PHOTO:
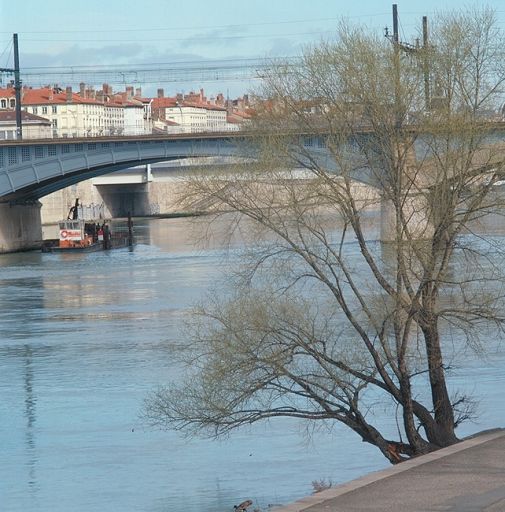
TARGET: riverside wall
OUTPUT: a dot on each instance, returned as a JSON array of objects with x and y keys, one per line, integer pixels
[{"x": 163, "y": 198}]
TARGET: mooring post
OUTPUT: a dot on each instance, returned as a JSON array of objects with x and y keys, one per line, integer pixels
[
  {"x": 130, "y": 230},
  {"x": 106, "y": 237}
]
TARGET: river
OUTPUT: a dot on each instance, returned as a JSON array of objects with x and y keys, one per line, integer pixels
[{"x": 84, "y": 338}]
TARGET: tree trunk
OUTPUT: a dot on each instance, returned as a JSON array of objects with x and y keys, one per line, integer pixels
[{"x": 443, "y": 411}]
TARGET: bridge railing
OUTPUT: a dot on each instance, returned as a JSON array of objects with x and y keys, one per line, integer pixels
[{"x": 48, "y": 132}]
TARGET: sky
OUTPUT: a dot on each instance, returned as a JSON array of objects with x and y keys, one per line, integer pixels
[{"x": 183, "y": 46}]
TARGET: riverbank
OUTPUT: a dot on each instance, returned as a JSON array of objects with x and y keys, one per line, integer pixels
[{"x": 466, "y": 477}]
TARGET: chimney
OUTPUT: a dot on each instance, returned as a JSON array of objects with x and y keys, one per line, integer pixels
[
  {"x": 138, "y": 92},
  {"x": 82, "y": 89},
  {"x": 161, "y": 93},
  {"x": 99, "y": 96},
  {"x": 105, "y": 88},
  {"x": 179, "y": 97},
  {"x": 68, "y": 92},
  {"x": 50, "y": 94},
  {"x": 202, "y": 96},
  {"x": 129, "y": 92}
]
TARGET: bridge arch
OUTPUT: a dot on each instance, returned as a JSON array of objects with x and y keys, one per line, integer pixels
[{"x": 31, "y": 170}]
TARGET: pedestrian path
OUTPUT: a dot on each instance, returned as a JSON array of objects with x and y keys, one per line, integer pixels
[{"x": 466, "y": 477}]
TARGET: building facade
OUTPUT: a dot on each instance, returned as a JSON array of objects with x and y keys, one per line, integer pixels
[
  {"x": 84, "y": 114},
  {"x": 90, "y": 113},
  {"x": 34, "y": 127},
  {"x": 194, "y": 113}
]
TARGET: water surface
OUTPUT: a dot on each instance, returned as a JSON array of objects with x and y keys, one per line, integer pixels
[{"x": 84, "y": 338}]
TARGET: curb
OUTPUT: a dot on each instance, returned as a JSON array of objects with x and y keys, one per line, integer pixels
[{"x": 339, "y": 490}]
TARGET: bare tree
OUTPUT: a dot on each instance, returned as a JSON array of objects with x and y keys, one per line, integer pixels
[{"x": 323, "y": 322}]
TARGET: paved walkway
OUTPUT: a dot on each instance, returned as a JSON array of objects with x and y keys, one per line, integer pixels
[{"x": 466, "y": 477}]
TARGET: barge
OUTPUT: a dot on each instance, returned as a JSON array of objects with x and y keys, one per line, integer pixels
[{"x": 78, "y": 235}]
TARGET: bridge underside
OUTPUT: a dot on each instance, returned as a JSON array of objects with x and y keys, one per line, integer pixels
[
  {"x": 35, "y": 191},
  {"x": 30, "y": 170}
]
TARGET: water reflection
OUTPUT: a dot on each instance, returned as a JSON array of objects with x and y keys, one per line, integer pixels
[{"x": 30, "y": 401}]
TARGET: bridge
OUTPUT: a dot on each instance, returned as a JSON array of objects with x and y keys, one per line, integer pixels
[{"x": 31, "y": 169}]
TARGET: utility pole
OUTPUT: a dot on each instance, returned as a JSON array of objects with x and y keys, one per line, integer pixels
[
  {"x": 413, "y": 50},
  {"x": 396, "y": 65},
  {"x": 426, "y": 65},
  {"x": 396, "y": 39},
  {"x": 17, "y": 87}
]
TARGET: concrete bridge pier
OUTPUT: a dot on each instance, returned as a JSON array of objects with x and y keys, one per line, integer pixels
[
  {"x": 20, "y": 226},
  {"x": 417, "y": 207},
  {"x": 417, "y": 212}
]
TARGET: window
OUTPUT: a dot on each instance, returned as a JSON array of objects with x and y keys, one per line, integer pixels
[
  {"x": 44, "y": 110},
  {"x": 54, "y": 110},
  {"x": 39, "y": 151},
  {"x": 4, "y": 103},
  {"x": 51, "y": 150},
  {"x": 34, "y": 110},
  {"x": 25, "y": 153},
  {"x": 13, "y": 103},
  {"x": 13, "y": 156}
]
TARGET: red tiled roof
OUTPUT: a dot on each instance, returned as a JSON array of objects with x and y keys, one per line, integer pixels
[
  {"x": 237, "y": 117},
  {"x": 172, "y": 102},
  {"x": 10, "y": 115},
  {"x": 206, "y": 106},
  {"x": 46, "y": 96},
  {"x": 7, "y": 93},
  {"x": 164, "y": 102}
]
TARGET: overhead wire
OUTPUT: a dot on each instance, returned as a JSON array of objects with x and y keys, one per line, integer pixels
[
  {"x": 191, "y": 38},
  {"x": 7, "y": 47},
  {"x": 175, "y": 62},
  {"x": 193, "y": 27}
]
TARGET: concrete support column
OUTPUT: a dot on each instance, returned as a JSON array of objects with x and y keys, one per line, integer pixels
[
  {"x": 149, "y": 174},
  {"x": 417, "y": 213},
  {"x": 20, "y": 227}
]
